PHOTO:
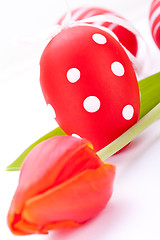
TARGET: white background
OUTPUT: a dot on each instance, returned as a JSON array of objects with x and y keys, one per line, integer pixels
[{"x": 134, "y": 210}]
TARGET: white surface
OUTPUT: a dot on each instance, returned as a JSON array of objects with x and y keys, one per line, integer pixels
[{"x": 134, "y": 210}]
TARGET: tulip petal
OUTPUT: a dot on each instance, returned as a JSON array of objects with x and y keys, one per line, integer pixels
[
  {"x": 24, "y": 228},
  {"x": 50, "y": 159},
  {"x": 79, "y": 198},
  {"x": 51, "y": 163},
  {"x": 61, "y": 225}
]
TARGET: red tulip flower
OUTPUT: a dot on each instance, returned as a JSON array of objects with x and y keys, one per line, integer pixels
[{"x": 63, "y": 183}]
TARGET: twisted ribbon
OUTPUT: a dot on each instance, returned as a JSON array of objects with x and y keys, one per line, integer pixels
[{"x": 68, "y": 22}]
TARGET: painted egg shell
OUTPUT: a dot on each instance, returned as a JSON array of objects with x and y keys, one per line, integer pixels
[
  {"x": 127, "y": 38},
  {"x": 154, "y": 18},
  {"x": 88, "y": 80}
]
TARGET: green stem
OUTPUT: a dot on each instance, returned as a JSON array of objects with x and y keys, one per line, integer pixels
[
  {"x": 150, "y": 97},
  {"x": 130, "y": 134}
]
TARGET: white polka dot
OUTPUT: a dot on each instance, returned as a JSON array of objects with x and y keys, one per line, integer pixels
[
  {"x": 128, "y": 112},
  {"x": 75, "y": 135},
  {"x": 91, "y": 104},
  {"x": 117, "y": 68},
  {"x": 51, "y": 110},
  {"x": 99, "y": 38},
  {"x": 73, "y": 75}
]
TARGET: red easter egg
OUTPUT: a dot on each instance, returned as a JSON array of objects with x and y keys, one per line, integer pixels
[
  {"x": 154, "y": 19},
  {"x": 126, "y": 37},
  {"x": 88, "y": 79}
]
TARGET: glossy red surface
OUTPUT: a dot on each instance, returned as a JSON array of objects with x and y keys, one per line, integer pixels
[{"x": 88, "y": 79}]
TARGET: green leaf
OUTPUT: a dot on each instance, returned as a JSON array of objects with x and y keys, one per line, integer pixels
[
  {"x": 150, "y": 97},
  {"x": 150, "y": 93},
  {"x": 16, "y": 165}
]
